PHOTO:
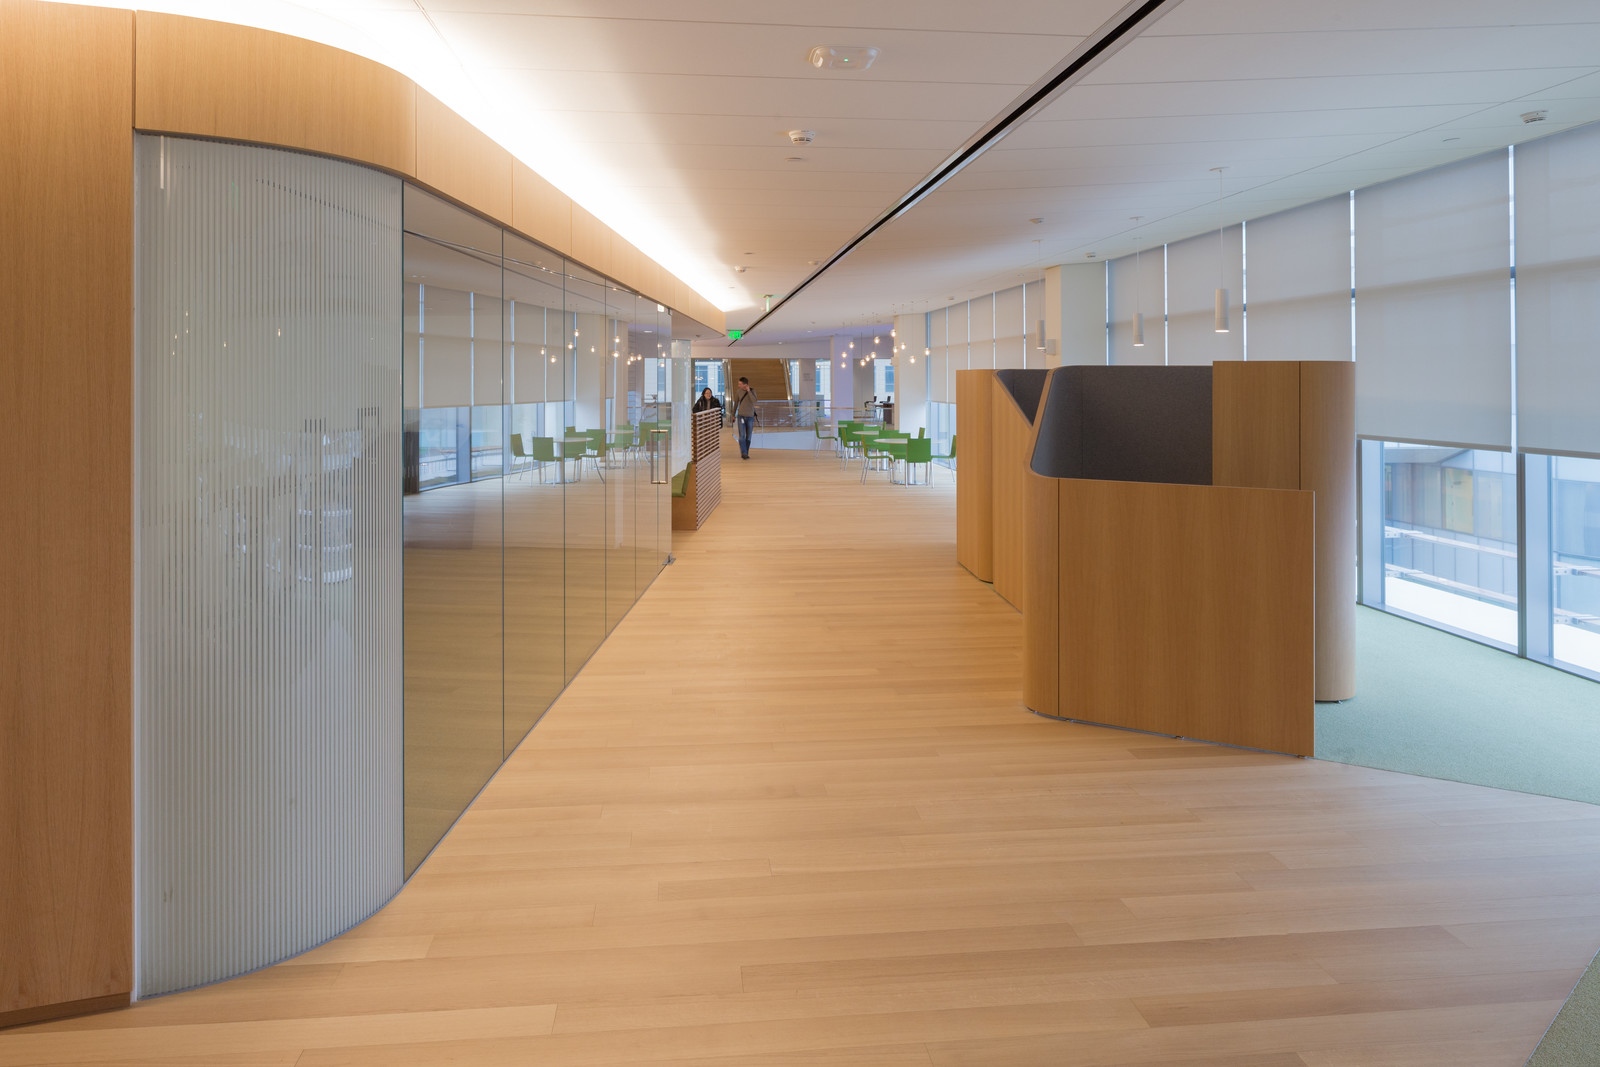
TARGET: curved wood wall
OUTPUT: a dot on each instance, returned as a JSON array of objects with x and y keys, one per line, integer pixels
[
  {"x": 1011, "y": 443},
  {"x": 66, "y": 652},
  {"x": 76, "y": 82},
  {"x": 197, "y": 78},
  {"x": 975, "y": 485}
]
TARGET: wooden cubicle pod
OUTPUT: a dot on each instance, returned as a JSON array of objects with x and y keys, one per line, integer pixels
[
  {"x": 975, "y": 486},
  {"x": 994, "y": 422},
  {"x": 1163, "y": 602},
  {"x": 1013, "y": 402},
  {"x": 1288, "y": 425}
]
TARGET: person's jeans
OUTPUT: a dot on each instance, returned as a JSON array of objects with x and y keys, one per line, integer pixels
[{"x": 746, "y": 428}]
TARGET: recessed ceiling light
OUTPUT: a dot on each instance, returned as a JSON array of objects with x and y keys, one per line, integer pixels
[
  {"x": 1036, "y": 221},
  {"x": 842, "y": 57},
  {"x": 1447, "y": 140},
  {"x": 1534, "y": 116},
  {"x": 794, "y": 159}
]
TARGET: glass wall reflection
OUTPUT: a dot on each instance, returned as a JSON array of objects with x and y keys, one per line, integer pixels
[
  {"x": 454, "y": 637},
  {"x": 535, "y": 391}
]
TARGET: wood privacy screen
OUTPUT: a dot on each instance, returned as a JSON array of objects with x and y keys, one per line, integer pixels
[
  {"x": 703, "y": 491},
  {"x": 1186, "y": 542}
]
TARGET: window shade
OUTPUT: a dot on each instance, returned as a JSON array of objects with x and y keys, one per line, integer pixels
[
  {"x": 1146, "y": 276},
  {"x": 1193, "y": 273},
  {"x": 1298, "y": 266},
  {"x": 1009, "y": 329},
  {"x": 1558, "y": 292},
  {"x": 981, "y": 332},
  {"x": 1433, "y": 308}
]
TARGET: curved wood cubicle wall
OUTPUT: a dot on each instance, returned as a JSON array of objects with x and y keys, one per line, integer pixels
[
  {"x": 77, "y": 82},
  {"x": 1167, "y": 603}
]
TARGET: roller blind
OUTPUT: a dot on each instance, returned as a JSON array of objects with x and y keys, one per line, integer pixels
[
  {"x": 1433, "y": 307},
  {"x": 1558, "y": 292},
  {"x": 940, "y": 389},
  {"x": 981, "y": 332},
  {"x": 1298, "y": 263},
  {"x": 1192, "y": 283},
  {"x": 1009, "y": 329},
  {"x": 1145, "y": 275},
  {"x": 446, "y": 372}
]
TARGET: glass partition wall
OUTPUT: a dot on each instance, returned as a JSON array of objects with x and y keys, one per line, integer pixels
[{"x": 532, "y": 520}]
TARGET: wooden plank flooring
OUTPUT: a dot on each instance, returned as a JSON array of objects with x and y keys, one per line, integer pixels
[{"x": 793, "y": 813}]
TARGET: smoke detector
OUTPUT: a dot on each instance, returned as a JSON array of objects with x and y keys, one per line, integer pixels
[
  {"x": 841, "y": 57},
  {"x": 1534, "y": 116},
  {"x": 802, "y": 136},
  {"x": 740, "y": 269}
]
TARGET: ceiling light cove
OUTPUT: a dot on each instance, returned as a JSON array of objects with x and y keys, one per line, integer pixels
[{"x": 842, "y": 57}]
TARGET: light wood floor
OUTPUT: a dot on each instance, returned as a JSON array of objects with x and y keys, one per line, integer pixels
[{"x": 792, "y": 813}]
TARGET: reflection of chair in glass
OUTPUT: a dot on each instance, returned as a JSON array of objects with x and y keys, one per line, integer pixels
[
  {"x": 517, "y": 453},
  {"x": 919, "y": 451},
  {"x": 597, "y": 451},
  {"x": 623, "y": 441},
  {"x": 950, "y": 455},
  {"x": 544, "y": 451}
]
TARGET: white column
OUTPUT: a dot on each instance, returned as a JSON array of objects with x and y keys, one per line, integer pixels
[
  {"x": 911, "y": 371},
  {"x": 844, "y": 394},
  {"x": 1075, "y": 314}
]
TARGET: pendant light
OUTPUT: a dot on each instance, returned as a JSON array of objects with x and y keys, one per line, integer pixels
[
  {"x": 1220, "y": 315},
  {"x": 1138, "y": 284}
]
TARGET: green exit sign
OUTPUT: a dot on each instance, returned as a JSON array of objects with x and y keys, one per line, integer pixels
[{"x": 734, "y": 335}]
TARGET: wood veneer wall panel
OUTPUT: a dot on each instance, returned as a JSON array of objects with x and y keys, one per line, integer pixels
[
  {"x": 66, "y": 642},
  {"x": 1041, "y": 613},
  {"x": 1255, "y": 425},
  {"x": 195, "y": 77},
  {"x": 1187, "y": 610},
  {"x": 213, "y": 79},
  {"x": 1012, "y": 436},
  {"x": 1328, "y": 469},
  {"x": 539, "y": 209},
  {"x": 459, "y": 160},
  {"x": 975, "y": 486}
]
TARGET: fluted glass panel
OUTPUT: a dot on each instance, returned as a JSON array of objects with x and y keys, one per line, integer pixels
[{"x": 268, "y": 722}]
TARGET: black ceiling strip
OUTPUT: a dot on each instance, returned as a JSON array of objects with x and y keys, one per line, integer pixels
[{"x": 1033, "y": 98}]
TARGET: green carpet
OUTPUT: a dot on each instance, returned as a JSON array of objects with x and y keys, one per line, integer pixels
[{"x": 1434, "y": 704}]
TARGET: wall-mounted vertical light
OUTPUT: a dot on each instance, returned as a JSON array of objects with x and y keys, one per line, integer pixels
[
  {"x": 1138, "y": 286},
  {"x": 1220, "y": 315}
]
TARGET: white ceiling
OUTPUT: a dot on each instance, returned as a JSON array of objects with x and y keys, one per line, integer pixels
[
  {"x": 675, "y": 115},
  {"x": 1297, "y": 100}
]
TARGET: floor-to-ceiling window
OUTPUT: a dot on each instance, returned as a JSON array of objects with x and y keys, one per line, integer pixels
[{"x": 1450, "y": 538}]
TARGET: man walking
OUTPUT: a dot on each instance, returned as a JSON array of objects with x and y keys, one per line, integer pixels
[{"x": 744, "y": 416}]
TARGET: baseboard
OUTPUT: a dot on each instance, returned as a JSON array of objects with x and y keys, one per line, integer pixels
[{"x": 44, "y": 1012}]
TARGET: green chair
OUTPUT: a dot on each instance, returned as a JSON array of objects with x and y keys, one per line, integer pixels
[
  {"x": 919, "y": 450},
  {"x": 884, "y": 450},
  {"x": 831, "y": 435},
  {"x": 544, "y": 451},
  {"x": 950, "y": 455}
]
